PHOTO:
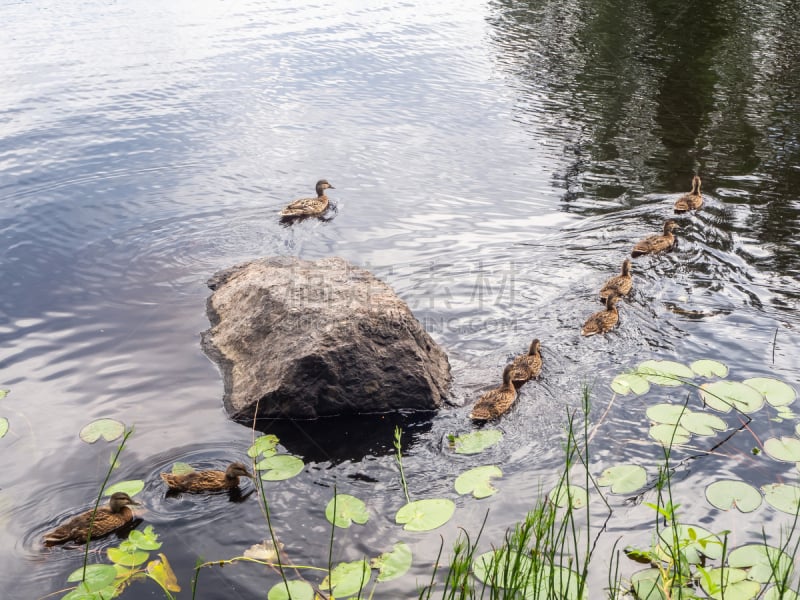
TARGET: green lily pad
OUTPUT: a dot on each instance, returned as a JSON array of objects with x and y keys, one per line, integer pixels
[
  {"x": 725, "y": 395},
  {"x": 728, "y": 493},
  {"x": 709, "y": 368},
  {"x": 127, "y": 559},
  {"x": 4, "y": 393},
  {"x": 182, "y": 468},
  {"x": 554, "y": 582},
  {"x": 702, "y": 423},
  {"x": 502, "y": 568},
  {"x": 623, "y": 479},
  {"x": 476, "y": 441},
  {"x": 729, "y": 583},
  {"x": 765, "y": 563},
  {"x": 666, "y": 413},
  {"x": 291, "y": 590},
  {"x": 782, "y": 496},
  {"x": 625, "y": 383},
  {"x": 108, "y": 429},
  {"x": 130, "y": 487},
  {"x": 3, "y": 426},
  {"x": 786, "y": 449},
  {"x": 424, "y": 515},
  {"x": 776, "y": 593},
  {"x": 280, "y": 467},
  {"x": 565, "y": 494},
  {"x": 393, "y": 564},
  {"x": 144, "y": 540},
  {"x": 347, "y": 578},
  {"x": 775, "y": 391},
  {"x": 694, "y": 541},
  {"x": 478, "y": 481},
  {"x": 349, "y": 509},
  {"x": 648, "y": 585},
  {"x": 98, "y": 577},
  {"x": 264, "y": 445},
  {"x": 665, "y": 372},
  {"x": 669, "y": 435}
]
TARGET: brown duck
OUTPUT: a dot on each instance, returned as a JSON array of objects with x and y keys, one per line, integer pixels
[
  {"x": 691, "y": 201},
  {"x": 308, "y": 207},
  {"x": 602, "y": 321},
  {"x": 656, "y": 243},
  {"x": 497, "y": 401},
  {"x": 527, "y": 366},
  {"x": 207, "y": 481},
  {"x": 620, "y": 285},
  {"x": 107, "y": 519}
]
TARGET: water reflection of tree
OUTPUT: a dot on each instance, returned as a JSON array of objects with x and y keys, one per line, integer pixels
[{"x": 641, "y": 94}]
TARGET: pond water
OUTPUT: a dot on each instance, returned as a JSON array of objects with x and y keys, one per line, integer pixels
[{"x": 494, "y": 161}]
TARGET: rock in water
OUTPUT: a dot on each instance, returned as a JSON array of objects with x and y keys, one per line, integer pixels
[{"x": 306, "y": 339}]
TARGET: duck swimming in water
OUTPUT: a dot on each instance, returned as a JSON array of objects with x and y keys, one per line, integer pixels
[
  {"x": 602, "y": 321},
  {"x": 207, "y": 481},
  {"x": 656, "y": 243},
  {"x": 691, "y": 201},
  {"x": 107, "y": 519},
  {"x": 497, "y": 401},
  {"x": 527, "y": 366},
  {"x": 620, "y": 285},
  {"x": 309, "y": 207}
]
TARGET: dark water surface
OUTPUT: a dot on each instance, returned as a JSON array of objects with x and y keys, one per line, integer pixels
[{"x": 493, "y": 161}]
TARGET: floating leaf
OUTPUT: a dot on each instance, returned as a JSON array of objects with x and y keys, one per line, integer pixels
[
  {"x": 424, "y": 515},
  {"x": 264, "y": 445},
  {"x": 97, "y": 577},
  {"x": 776, "y": 593},
  {"x": 349, "y": 509},
  {"x": 393, "y": 564},
  {"x": 291, "y": 590},
  {"x": 477, "y": 481},
  {"x": 693, "y": 541},
  {"x": 669, "y": 434},
  {"x": 666, "y": 413},
  {"x": 647, "y": 585},
  {"x": 108, "y": 429},
  {"x": 786, "y": 449},
  {"x": 623, "y": 479},
  {"x": 127, "y": 559},
  {"x": 3, "y": 426},
  {"x": 565, "y": 494},
  {"x": 625, "y": 383},
  {"x": 280, "y": 467},
  {"x": 494, "y": 566},
  {"x": 264, "y": 551},
  {"x": 4, "y": 393},
  {"x": 130, "y": 487},
  {"x": 728, "y": 493},
  {"x": 725, "y": 395},
  {"x": 732, "y": 584},
  {"x": 476, "y": 441},
  {"x": 775, "y": 391},
  {"x": 782, "y": 496},
  {"x": 162, "y": 572},
  {"x": 144, "y": 540},
  {"x": 554, "y": 582},
  {"x": 701, "y": 423},
  {"x": 665, "y": 372},
  {"x": 347, "y": 578},
  {"x": 182, "y": 468},
  {"x": 709, "y": 368},
  {"x": 765, "y": 562}
]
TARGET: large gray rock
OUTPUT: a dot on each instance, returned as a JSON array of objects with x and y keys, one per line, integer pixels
[{"x": 304, "y": 339}]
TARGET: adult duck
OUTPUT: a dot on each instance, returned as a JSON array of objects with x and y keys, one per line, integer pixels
[
  {"x": 620, "y": 285},
  {"x": 497, "y": 401},
  {"x": 107, "y": 519},
  {"x": 527, "y": 366},
  {"x": 602, "y": 321},
  {"x": 309, "y": 207},
  {"x": 656, "y": 243},
  {"x": 206, "y": 481},
  {"x": 691, "y": 201}
]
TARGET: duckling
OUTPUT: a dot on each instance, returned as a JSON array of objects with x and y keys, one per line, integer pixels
[
  {"x": 691, "y": 201},
  {"x": 602, "y": 321},
  {"x": 527, "y": 366},
  {"x": 497, "y": 401},
  {"x": 308, "y": 207},
  {"x": 107, "y": 519},
  {"x": 619, "y": 284},
  {"x": 207, "y": 481},
  {"x": 654, "y": 244}
]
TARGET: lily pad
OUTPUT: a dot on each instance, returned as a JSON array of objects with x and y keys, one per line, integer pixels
[
  {"x": 786, "y": 449},
  {"x": 424, "y": 515},
  {"x": 349, "y": 509},
  {"x": 476, "y": 441},
  {"x": 554, "y": 582},
  {"x": 665, "y": 372},
  {"x": 725, "y": 395},
  {"x": 130, "y": 487},
  {"x": 127, "y": 559},
  {"x": 182, "y": 468},
  {"x": 728, "y": 493},
  {"x": 666, "y": 413},
  {"x": 648, "y": 585},
  {"x": 625, "y": 383},
  {"x": 566, "y": 494},
  {"x": 765, "y": 563},
  {"x": 782, "y": 496},
  {"x": 669, "y": 435},
  {"x": 623, "y": 479},
  {"x": 98, "y": 576},
  {"x": 729, "y": 583},
  {"x": 4, "y": 393},
  {"x": 478, "y": 481},
  {"x": 162, "y": 572},
  {"x": 493, "y": 567},
  {"x": 3, "y": 426},
  {"x": 709, "y": 368},
  {"x": 694, "y": 541},
  {"x": 393, "y": 564},
  {"x": 108, "y": 429},
  {"x": 264, "y": 445},
  {"x": 776, "y": 593},
  {"x": 280, "y": 467},
  {"x": 702, "y": 423},
  {"x": 144, "y": 540},
  {"x": 347, "y": 578},
  {"x": 265, "y": 551},
  {"x": 291, "y": 590},
  {"x": 775, "y": 391}
]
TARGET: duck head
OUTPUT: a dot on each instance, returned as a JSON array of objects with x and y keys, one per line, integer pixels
[
  {"x": 237, "y": 469},
  {"x": 120, "y": 500},
  {"x": 535, "y": 347},
  {"x": 695, "y": 185},
  {"x": 670, "y": 226},
  {"x": 626, "y": 266},
  {"x": 323, "y": 185}
]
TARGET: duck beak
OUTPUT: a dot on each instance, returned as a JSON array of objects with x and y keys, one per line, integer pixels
[{"x": 330, "y": 186}]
